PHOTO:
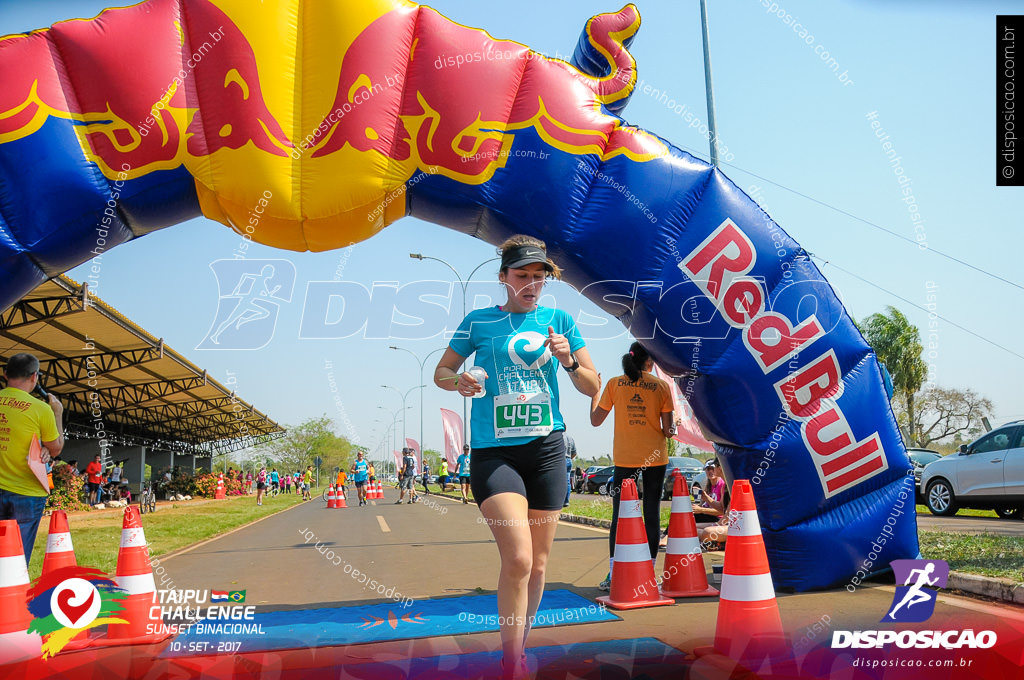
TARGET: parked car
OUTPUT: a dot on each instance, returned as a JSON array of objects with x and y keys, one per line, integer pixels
[
  {"x": 690, "y": 468},
  {"x": 919, "y": 458},
  {"x": 987, "y": 474},
  {"x": 599, "y": 479},
  {"x": 586, "y": 473}
]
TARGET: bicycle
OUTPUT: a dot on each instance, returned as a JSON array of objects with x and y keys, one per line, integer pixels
[{"x": 147, "y": 500}]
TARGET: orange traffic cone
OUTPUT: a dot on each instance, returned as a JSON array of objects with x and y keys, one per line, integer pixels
[
  {"x": 371, "y": 491},
  {"x": 339, "y": 499},
  {"x": 633, "y": 581},
  {"x": 331, "y": 498},
  {"x": 685, "y": 574},
  {"x": 134, "y": 575},
  {"x": 59, "y": 550},
  {"x": 749, "y": 626},
  {"x": 221, "y": 491},
  {"x": 16, "y": 643},
  {"x": 380, "y": 490}
]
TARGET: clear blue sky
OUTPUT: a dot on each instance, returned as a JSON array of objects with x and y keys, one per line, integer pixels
[{"x": 927, "y": 69}]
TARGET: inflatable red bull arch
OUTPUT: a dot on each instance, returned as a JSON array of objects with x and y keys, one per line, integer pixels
[{"x": 355, "y": 113}]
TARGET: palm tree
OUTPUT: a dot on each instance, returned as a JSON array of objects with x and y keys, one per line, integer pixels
[{"x": 897, "y": 343}]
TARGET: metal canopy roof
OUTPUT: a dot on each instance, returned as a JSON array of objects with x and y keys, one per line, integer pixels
[{"x": 115, "y": 378}]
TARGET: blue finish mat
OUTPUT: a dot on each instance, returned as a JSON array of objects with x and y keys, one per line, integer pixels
[{"x": 376, "y": 623}]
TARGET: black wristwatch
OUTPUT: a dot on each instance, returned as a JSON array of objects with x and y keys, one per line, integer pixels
[{"x": 575, "y": 365}]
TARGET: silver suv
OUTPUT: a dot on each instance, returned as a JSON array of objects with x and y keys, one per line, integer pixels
[{"x": 987, "y": 474}]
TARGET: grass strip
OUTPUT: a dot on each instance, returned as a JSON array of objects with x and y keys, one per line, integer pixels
[
  {"x": 982, "y": 554},
  {"x": 174, "y": 526}
]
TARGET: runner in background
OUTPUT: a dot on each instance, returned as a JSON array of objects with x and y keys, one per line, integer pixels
[{"x": 463, "y": 473}]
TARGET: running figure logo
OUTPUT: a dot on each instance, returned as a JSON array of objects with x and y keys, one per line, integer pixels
[
  {"x": 914, "y": 601},
  {"x": 251, "y": 293}
]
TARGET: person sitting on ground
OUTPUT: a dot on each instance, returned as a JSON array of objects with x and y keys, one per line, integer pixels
[{"x": 716, "y": 499}]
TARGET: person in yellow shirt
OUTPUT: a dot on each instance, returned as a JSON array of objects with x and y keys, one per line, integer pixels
[
  {"x": 22, "y": 418},
  {"x": 643, "y": 422}
]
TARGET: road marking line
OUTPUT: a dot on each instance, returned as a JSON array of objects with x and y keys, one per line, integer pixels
[{"x": 383, "y": 525}]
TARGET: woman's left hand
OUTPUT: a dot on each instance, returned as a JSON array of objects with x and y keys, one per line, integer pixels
[{"x": 559, "y": 346}]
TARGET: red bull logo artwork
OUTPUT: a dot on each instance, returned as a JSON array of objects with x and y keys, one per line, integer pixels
[{"x": 389, "y": 108}]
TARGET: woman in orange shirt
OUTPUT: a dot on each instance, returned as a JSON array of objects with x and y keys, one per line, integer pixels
[{"x": 643, "y": 421}]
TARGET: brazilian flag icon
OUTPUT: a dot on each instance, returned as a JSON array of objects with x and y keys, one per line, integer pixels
[{"x": 237, "y": 596}]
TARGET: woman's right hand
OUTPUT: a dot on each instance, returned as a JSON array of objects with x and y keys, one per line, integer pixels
[{"x": 468, "y": 386}]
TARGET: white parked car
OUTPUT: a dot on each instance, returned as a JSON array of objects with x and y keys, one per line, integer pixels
[{"x": 987, "y": 474}]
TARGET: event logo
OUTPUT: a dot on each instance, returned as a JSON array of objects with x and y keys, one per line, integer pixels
[
  {"x": 251, "y": 293},
  {"x": 69, "y": 601},
  {"x": 528, "y": 350},
  {"x": 912, "y": 603}
]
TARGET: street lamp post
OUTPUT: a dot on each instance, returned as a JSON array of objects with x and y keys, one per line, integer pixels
[
  {"x": 422, "y": 363},
  {"x": 404, "y": 396},
  {"x": 465, "y": 286}
]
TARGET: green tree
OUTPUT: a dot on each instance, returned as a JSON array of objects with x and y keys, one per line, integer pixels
[
  {"x": 303, "y": 443},
  {"x": 897, "y": 343},
  {"x": 948, "y": 412}
]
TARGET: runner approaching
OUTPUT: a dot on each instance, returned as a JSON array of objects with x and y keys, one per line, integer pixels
[
  {"x": 360, "y": 473},
  {"x": 518, "y": 451},
  {"x": 463, "y": 473}
]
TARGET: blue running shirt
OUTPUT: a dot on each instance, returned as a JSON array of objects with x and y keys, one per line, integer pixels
[{"x": 510, "y": 347}]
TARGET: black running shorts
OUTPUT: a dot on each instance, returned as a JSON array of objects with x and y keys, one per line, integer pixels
[{"x": 535, "y": 470}]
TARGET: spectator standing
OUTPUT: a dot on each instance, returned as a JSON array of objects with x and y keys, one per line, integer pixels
[
  {"x": 275, "y": 479},
  {"x": 115, "y": 474},
  {"x": 261, "y": 484},
  {"x": 407, "y": 476},
  {"x": 570, "y": 454},
  {"x": 94, "y": 478},
  {"x": 643, "y": 422},
  {"x": 22, "y": 417},
  {"x": 307, "y": 483},
  {"x": 426, "y": 475}
]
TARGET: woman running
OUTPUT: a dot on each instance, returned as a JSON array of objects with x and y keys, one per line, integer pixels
[
  {"x": 518, "y": 451},
  {"x": 643, "y": 421}
]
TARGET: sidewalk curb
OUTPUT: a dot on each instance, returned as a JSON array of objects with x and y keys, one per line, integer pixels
[{"x": 1002, "y": 589}]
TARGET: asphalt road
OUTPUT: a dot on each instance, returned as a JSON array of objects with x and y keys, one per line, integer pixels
[{"x": 439, "y": 548}]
